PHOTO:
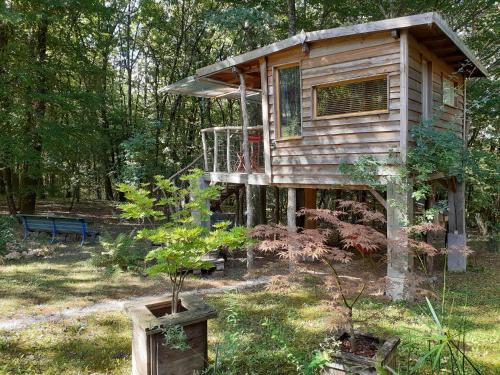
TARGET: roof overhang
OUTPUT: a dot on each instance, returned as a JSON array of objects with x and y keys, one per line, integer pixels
[
  {"x": 431, "y": 22},
  {"x": 208, "y": 88},
  {"x": 219, "y": 80}
]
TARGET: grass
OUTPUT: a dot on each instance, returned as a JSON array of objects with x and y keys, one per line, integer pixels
[
  {"x": 66, "y": 279},
  {"x": 265, "y": 332},
  {"x": 270, "y": 331},
  {"x": 94, "y": 344}
]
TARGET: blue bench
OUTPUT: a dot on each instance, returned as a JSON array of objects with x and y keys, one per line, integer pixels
[{"x": 57, "y": 225}]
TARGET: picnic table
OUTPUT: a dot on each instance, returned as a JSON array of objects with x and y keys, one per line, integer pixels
[{"x": 55, "y": 225}]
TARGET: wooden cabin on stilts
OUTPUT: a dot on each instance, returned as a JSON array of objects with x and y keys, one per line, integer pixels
[{"x": 334, "y": 95}]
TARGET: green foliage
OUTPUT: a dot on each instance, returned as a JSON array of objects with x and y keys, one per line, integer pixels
[
  {"x": 123, "y": 252},
  {"x": 176, "y": 338},
  {"x": 7, "y": 233},
  {"x": 446, "y": 351},
  {"x": 483, "y": 187},
  {"x": 318, "y": 361},
  {"x": 139, "y": 154},
  {"x": 364, "y": 171},
  {"x": 434, "y": 151},
  {"x": 181, "y": 242}
]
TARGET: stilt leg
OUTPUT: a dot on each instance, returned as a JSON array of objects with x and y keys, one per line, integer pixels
[{"x": 399, "y": 259}]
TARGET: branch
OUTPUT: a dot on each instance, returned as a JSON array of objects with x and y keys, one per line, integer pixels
[{"x": 339, "y": 283}]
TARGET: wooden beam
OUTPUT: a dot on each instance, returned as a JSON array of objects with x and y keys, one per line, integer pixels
[
  {"x": 246, "y": 161},
  {"x": 306, "y": 49},
  {"x": 265, "y": 117},
  {"x": 238, "y": 178},
  {"x": 228, "y": 150},
  {"x": 404, "y": 78},
  {"x": 399, "y": 258},
  {"x": 436, "y": 18},
  {"x": 205, "y": 150},
  {"x": 216, "y": 151},
  {"x": 453, "y": 58},
  {"x": 457, "y": 260},
  {"x": 378, "y": 197},
  {"x": 291, "y": 216}
]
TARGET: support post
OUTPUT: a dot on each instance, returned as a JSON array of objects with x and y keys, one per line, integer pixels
[
  {"x": 246, "y": 160},
  {"x": 399, "y": 259},
  {"x": 205, "y": 150},
  {"x": 457, "y": 260},
  {"x": 216, "y": 151},
  {"x": 291, "y": 216},
  {"x": 309, "y": 202},
  {"x": 228, "y": 150},
  {"x": 265, "y": 115},
  {"x": 197, "y": 219},
  {"x": 403, "y": 87}
]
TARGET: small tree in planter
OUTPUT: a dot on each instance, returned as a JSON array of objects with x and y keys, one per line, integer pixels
[
  {"x": 351, "y": 222},
  {"x": 182, "y": 241},
  {"x": 181, "y": 245}
]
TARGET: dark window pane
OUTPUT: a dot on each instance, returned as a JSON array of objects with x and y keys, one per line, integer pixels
[
  {"x": 289, "y": 101},
  {"x": 351, "y": 97}
]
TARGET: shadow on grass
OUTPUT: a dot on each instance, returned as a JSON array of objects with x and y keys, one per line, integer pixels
[{"x": 97, "y": 344}]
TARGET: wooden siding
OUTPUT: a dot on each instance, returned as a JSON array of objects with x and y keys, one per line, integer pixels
[
  {"x": 314, "y": 158},
  {"x": 443, "y": 116}
]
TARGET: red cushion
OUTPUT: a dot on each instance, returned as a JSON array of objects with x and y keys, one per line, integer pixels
[{"x": 255, "y": 138}]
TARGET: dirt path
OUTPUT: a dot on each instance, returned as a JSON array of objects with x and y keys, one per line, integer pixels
[{"x": 115, "y": 305}]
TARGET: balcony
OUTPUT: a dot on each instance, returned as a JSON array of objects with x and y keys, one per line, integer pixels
[{"x": 223, "y": 155}]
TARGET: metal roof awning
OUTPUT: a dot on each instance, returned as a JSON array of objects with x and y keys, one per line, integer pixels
[{"x": 208, "y": 88}]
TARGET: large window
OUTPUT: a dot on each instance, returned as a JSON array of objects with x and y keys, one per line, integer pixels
[
  {"x": 288, "y": 114},
  {"x": 448, "y": 92},
  {"x": 352, "y": 97}
]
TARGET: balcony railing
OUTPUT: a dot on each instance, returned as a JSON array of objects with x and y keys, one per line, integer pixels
[{"x": 223, "y": 149}]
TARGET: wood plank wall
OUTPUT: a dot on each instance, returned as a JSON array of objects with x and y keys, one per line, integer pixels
[
  {"x": 315, "y": 157},
  {"x": 443, "y": 116}
]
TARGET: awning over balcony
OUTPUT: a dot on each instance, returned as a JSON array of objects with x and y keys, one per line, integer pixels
[{"x": 208, "y": 88}]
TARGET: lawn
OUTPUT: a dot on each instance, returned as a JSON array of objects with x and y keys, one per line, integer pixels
[
  {"x": 260, "y": 331},
  {"x": 66, "y": 279}
]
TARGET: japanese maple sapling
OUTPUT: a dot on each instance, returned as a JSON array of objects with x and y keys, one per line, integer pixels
[
  {"x": 353, "y": 222},
  {"x": 181, "y": 242}
]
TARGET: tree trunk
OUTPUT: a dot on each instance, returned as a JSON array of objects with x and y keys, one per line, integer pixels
[
  {"x": 292, "y": 18},
  {"x": 246, "y": 160},
  {"x": 277, "y": 205},
  {"x": 32, "y": 168},
  {"x": 291, "y": 216},
  {"x": 9, "y": 196},
  {"x": 258, "y": 201}
]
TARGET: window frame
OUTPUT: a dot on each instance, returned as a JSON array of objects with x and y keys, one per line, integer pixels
[
  {"x": 343, "y": 82},
  {"x": 277, "y": 120},
  {"x": 454, "y": 83}
]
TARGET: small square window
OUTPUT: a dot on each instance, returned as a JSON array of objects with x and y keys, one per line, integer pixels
[{"x": 448, "y": 92}]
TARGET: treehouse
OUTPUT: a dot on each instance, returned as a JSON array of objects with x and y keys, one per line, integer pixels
[{"x": 328, "y": 97}]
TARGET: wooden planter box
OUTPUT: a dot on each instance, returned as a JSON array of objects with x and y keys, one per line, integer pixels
[
  {"x": 150, "y": 356},
  {"x": 349, "y": 363}
]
